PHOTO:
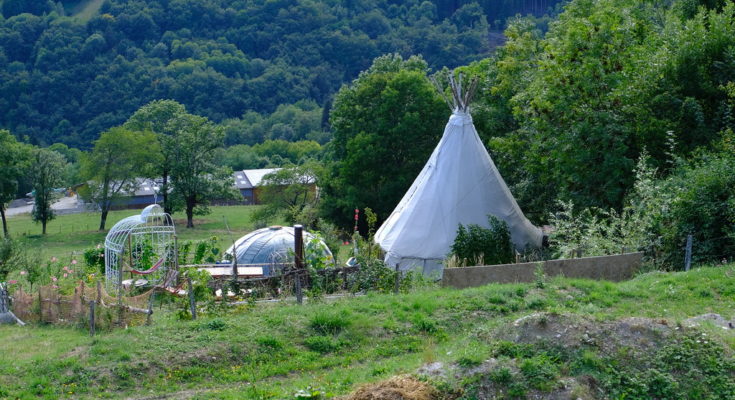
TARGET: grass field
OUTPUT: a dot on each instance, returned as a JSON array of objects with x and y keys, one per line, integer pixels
[
  {"x": 270, "y": 351},
  {"x": 77, "y": 232}
]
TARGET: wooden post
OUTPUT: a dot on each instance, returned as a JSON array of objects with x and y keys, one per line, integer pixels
[
  {"x": 518, "y": 257},
  {"x": 91, "y": 318},
  {"x": 298, "y": 233},
  {"x": 192, "y": 301},
  {"x": 398, "y": 279},
  {"x": 40, "y": 304},
  {"x": 150, "y": 307},
  {"x": 99, "y": 292},
  {"x": 688, "y": 254}
]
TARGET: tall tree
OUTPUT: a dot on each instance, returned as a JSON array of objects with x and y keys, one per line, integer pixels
[
  {"x": 155, "y": 117},
  {"x": 385, "y": 126},
  {"x": 47, "y": 173},
  {"x": 195, "y": 177},
  {"x": 13, "y": 159},
  {"x": 118, "y": 158}
]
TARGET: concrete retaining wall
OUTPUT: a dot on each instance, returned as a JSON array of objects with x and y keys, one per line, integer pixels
[{"x": 611, "y": 268}]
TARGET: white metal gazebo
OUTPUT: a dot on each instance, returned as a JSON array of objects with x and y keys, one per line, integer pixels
[{"x": 143, "y": 245}]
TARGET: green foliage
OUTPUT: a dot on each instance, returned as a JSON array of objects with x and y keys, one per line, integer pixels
[
  {"x": 704, "y": 206},
  {"x": 195, "y": 178},
  {"x": 14, "y": 158},
  {"x": 46, "y": 174},
  {"x": 482, "y": 246},
  {"x": 385, "y": 125},
  {"x": 94, "y": 258},
  {"x": 118, "y": 158},
  {"x": 281, "y": 67},
  {"x": 207, "y": 251},
  {"x": 292, "y": 193},
  {"x": 599, "y": 232}
]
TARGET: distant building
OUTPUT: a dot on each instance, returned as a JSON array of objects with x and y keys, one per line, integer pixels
[
  {"x": 148, "y": 191},
  {"x": 248, "y": 182}
]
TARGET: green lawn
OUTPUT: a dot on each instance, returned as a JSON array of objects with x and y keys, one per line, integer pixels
[
  {"x": 77, "y": 232},
  {"x": 270, "y": 351}
]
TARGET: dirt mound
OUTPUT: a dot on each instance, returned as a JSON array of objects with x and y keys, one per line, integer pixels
[
  {"x": 572, "y": 331},
  {"x": 402, "y": 387}
]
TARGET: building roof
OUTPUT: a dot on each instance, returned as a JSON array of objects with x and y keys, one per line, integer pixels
[{"x": 251, "y": 178}]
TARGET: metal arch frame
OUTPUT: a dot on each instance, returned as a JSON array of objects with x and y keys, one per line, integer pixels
[{"x": 152, "y": 226}]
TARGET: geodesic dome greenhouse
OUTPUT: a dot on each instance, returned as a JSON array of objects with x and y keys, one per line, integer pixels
[{"x": 272, "y": 248}]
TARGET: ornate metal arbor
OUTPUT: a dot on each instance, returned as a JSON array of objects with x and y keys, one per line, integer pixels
[{"x": 142, "y": 245}]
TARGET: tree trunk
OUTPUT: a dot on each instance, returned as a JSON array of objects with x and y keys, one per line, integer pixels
[
  {"x": 164, "y": 188},
  {"x": 5, "y": 223},
  {"x": 103, "y": 219},
  {"x": 190, "y": 203},
  {"x": 43, "y": 224},
  {"x": 189, "y": 215}
]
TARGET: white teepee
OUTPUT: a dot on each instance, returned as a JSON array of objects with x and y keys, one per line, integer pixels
[{"x": 458, "y": 185}]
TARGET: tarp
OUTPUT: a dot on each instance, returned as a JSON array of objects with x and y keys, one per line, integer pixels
[{"x": 458, "y": 185}]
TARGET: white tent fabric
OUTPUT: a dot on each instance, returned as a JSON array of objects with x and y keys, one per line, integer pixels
[{"x": 458, "y": 185}]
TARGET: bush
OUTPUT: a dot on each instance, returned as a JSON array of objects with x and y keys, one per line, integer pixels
[
  {"x": 95, "y": 259},
  {"x": 704, "y": 207},
  {"x": 477, "y": 245}
]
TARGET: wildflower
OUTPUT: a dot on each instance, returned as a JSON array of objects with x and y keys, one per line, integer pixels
[
  {"x": 53, "y": 278},
  {"x": 98, "y": 246},
  {"x": 66, "y": 268},
  {"x": 54, "y": 287},
  {"x": 23, "y": 272},
  {"x": 71, "y": 271},
  {"x": 73, "y": 262},
  {"x": 54, "y": 259},
  {"x": 65, "y": 275},
  {"x": 12, "y": 282}
]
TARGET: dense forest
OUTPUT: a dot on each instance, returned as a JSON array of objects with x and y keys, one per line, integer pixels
[
  {"x": 67, "y": 78},
  {"x": 618, "y": 115}
]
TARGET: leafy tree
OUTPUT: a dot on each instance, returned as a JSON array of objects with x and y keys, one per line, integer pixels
[
  {"x": 290, "y": 191},
  {"x": 385, "y": 126},
  {"x": 46, "y": 173},
  {"x": 195, "y": 177},
  {"x": 14, "y": 158},
  {"x": 118, "y": 159},
  {"x": 155, "y": 117}
]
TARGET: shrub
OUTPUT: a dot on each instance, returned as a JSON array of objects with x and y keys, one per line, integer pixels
[
  {"x": 704, "y": 207},
  {"x": 477, "y": 245},
  {"x": 94, "y": 258}
]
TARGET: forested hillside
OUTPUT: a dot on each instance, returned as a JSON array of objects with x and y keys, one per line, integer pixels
[{"x": 68, "y": 78}]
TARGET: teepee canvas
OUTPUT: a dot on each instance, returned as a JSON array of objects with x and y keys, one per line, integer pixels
[{"x": 458, "y": 185}]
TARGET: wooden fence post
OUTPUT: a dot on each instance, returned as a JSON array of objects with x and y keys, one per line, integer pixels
[
  {"x": 192, "y": 301},
  {"x": 298, "y": 233},
  {"x": 398, "y": 279},
  {"x": 91, "y": 318},
  {"x": 688, "y": 254},
  {"x": 150, "y": 307}
]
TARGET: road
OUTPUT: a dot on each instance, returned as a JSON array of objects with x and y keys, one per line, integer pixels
[{"x": 65, "y": 205}]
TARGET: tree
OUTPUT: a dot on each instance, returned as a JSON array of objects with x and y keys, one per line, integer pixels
[
  {"x": 291, "y": 191},
  {"x": 118, "y": 158},
  {"x": 385, "y": 126},
  {"x": 47, "y": 169},
  {"x": 13, "y": 159},
  {"x": 195, "y": 177},
  {"x": 155, "y": 117}
]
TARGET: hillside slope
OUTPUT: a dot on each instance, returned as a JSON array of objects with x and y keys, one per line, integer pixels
[
  {"x": 66, "y": 79},
  {"x": 274, "y": 350}
]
